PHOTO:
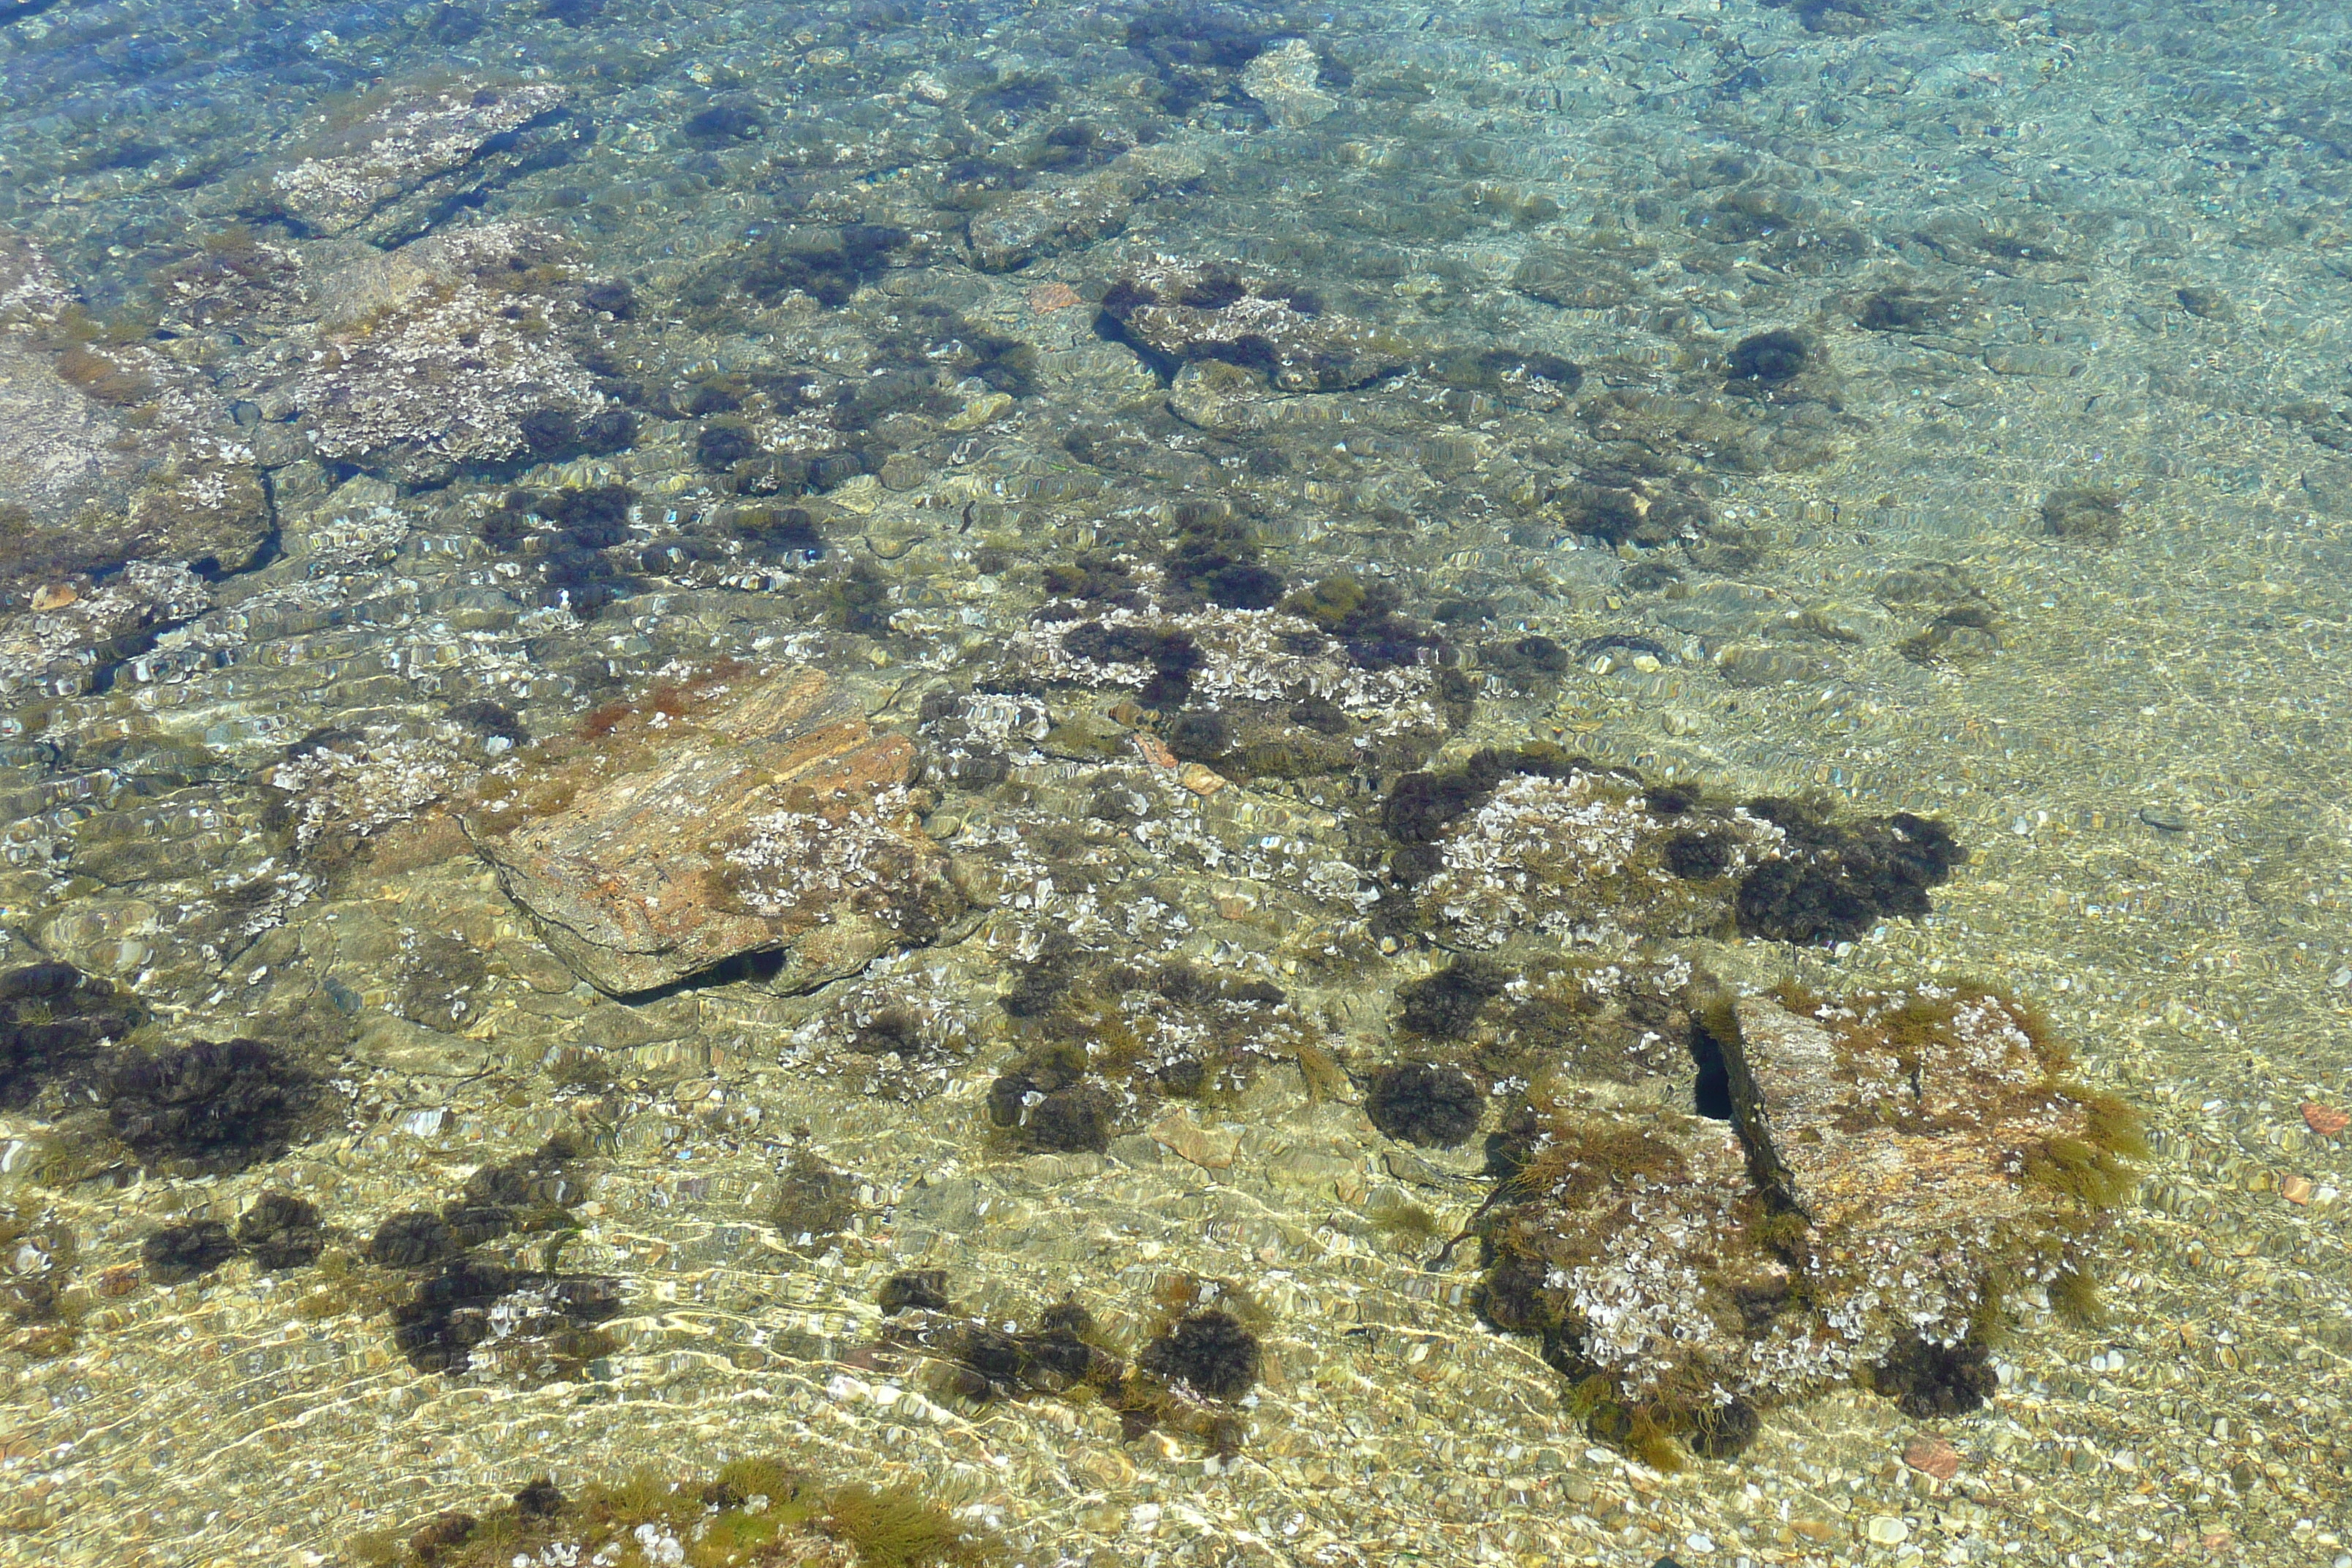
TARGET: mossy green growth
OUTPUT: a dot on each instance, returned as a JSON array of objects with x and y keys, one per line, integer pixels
[
  {"x": 898, "y": 1526},
  {"x": 1328, "y": 603},
  {"x": 2097, "y": 1176},
  {"x": 754, "y": 1513}
]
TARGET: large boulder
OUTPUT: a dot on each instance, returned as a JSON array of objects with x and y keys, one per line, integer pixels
[
  {"x": 741, "y": 816},
  {"x": 1860, "y": 1182}
]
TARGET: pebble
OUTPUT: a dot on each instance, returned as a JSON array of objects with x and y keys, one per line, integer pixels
[
  {"x": 2324, "y": 1120},
  {"x": 2295, "y": 1189},
  {"x": 1885, "y": 1529},
  {"x": 1201, "y": 780},
  {"x": 1932, "y": 1456}
]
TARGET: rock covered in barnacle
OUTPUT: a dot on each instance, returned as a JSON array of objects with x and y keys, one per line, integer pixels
[
  {"x": 1577, "y": 854},
  {"x": 1864, "y": 1176},
  {"x": 735, "y": 813},
  {"x": 1182, "y": 312},
  {"x": 113, "y": 445},
  {"x": 434, "y": 357},
  {"x": 432, "y": 139},
  {"x": 1537, "y": 840}
]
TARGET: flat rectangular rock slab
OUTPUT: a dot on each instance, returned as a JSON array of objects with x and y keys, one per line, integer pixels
[{"x": 769, "y": 819}]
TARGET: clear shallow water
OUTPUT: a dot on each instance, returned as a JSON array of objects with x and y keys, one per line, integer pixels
[{"x": 2041, "y": 533}]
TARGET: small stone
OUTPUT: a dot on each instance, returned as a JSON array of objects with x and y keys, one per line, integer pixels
[
  {"x": 1187, "y": 1140},
  {"x": 980, "y": 411},
  {"x": 1047, "y": 298},
  {"x": 54, "y": 596},
  {"x": 1201, "y": 780},
  {"x": 901, "y": 472},
  {"x": 1154, "y": 751},
  {"x": 1812, "y": 1529},
  {"x": 1933, "y": 1457},
  {"x": 1885, "y": 1529},
  {"x": 2295, "y": 1189},
  {"x": 2324, "y": 1120}
]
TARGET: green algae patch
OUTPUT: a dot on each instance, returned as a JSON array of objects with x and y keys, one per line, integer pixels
[{"x": 754, "y": 1513}]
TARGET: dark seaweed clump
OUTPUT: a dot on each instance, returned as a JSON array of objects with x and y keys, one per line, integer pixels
[
  {"x": 814, "y": 1203},
  {"x": 829, "y": 265},
  {"x": 54, "y": 1020},
  {"x": 1363, "y": 617},
  {"x": 540, "y": 1499},
  {"x": 2092, "y": 513},
  {"x": 1444, "y": 1006},
  {"x": 915, "y": 1291},
  {"x": 1205, "y": 1356},
  {"x": 1199, "y": 736},
  {"x": 614, "y": 296},
  {"x": 1833, "y": 882},
  {"x": 789, "y": 530},
  {"x": 1768, "y": 358},
  {"x": 1422, "y": 804},
  {"x": 721, "y": 123},
  {"x": 491, "y": 718},
  {"x": 1042, "y": 981},
  {"x": 281, "y": 1231},
  {"x": 1215, "y": 557},
  {"x": 181, "y": 1252},
  {"x": 1929, "y": 1381},
  {"x": 528, "y": 1193},
  {"x": 438, "y": 1329},
  {"x": 1169, "y": 656},
  {"x": 554, "y": 433},
  {"x": 991, "y": 1364},
  {"x": 1532, "y": 654},
  {"x": 1049, "y": 1106},
  {"x": 1415, "y": 1102},
  {"x": 1197, "y": 50},
  {"x": 211, "y": 1107},
  {"x": 1208, "y": 1351},
  {"x": 415, "y": 1238},
  {"x": 1696, "y": 855},
  {"x": 574, "y": 572},
  {"x": 449, "y": 1312}
]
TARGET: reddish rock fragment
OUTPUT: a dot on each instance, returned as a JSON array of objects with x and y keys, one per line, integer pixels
[
  {"x": 749, "y": 813},
  {"x": 1933, "y": 1457},
  {"x": 2324, "y": 1120}
]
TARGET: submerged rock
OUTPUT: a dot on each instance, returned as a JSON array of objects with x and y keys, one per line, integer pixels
[
  {"x": 415, "y": 151},
  {"x": 1182, "y": 312},
  {"x": 1073, "y": 214},
  {"x": 456, "y": 350},
  {"x": 111, "y": 449},
  {"x": 1287, "y": 80},
  {"x": 745, "y": 813},
  {"x": 1858, "y": 1178}
]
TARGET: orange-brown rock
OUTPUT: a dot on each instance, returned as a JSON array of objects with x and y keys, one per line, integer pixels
[{"x": 743, "y": 813}]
